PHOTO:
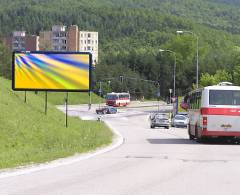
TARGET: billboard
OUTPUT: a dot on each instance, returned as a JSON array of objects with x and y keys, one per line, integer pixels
[{"x": 52, "y": 71}]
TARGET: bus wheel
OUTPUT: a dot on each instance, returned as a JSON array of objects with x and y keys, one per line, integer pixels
[
  {"x": 199, "y": 139},
  {"x": 191, "y": 137}
]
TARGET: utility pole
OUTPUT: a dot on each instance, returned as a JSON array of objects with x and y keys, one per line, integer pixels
[
  {"x": 121, "y": 80},
  {"x": 100, "y": 92}
]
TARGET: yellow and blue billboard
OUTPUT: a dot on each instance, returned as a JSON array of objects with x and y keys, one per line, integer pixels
[{"x": 52, "y": 71}]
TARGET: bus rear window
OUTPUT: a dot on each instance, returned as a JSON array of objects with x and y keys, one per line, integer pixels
[{"x": 224, "y": 97}]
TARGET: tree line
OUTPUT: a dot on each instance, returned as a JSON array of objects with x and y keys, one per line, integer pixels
[{"x": 130, "y": 36}]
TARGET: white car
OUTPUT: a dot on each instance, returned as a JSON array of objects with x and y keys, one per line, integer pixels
[{"x": 180, "y": 121}]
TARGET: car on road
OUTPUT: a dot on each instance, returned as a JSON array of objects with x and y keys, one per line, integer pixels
[
  {"x": 106, "y": 110},
  {"x": 159, "y": 120},
  {"x": 180, "y": 121},
  {"x": 183, "y": 113}
]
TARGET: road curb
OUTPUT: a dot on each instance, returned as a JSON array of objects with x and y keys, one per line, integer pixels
[{"x": 118, "y": 140}]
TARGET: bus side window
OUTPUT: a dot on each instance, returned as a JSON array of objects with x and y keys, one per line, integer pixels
[
  {"x": 194, "y": 101},
  {"x": 191, "y": 102},
  {"x": 198, "y": 100}
]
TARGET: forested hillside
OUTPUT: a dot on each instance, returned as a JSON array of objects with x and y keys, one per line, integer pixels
[{"x": 131, "y": 32}]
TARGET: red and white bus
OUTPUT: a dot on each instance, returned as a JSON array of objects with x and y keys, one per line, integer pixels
[
  {"x": 214, "y": 111},
  {"x": 118, "y": 99}
]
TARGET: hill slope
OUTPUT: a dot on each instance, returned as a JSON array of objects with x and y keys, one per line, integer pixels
[
  {"x": 220, "y": 14},
  {"x": 132, "y": 31},
  {"x": 27, "y": 135}
]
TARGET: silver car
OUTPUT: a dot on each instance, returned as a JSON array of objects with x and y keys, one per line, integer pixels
[
  {"x": 180, "y": 121},
  {"x": 159, "y": 120}
]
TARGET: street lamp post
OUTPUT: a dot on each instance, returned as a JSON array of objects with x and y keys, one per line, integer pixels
[
  {"x": 174, "y": 69},
  {"x": 195, "y": 35}
]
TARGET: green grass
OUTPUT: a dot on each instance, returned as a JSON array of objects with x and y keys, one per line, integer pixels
[
  {"x": 58, "y": 98},
  {"x": 27, "y": 135}
]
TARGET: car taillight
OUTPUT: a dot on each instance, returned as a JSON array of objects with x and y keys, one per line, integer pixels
[{"x": 205, "y": 121}]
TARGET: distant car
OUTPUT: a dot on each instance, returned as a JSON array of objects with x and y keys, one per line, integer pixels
[
  {"x": 159, "y": 120},
  {"x": 183, "y": 113},
  {"x": 106, "y": 110},
  {"x": 180, "y": 121}
]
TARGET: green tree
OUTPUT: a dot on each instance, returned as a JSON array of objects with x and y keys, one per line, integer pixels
[
  {"x": 5, "y": 62},
  {"x": 207, "y": 80},
  {"x": 222, "y": 75}
]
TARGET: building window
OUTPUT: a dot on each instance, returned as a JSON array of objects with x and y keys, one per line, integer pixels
[
  {"x": 85, "y": 49},
  {"x": 55, "y": 34},
  {"x": 85, "y": 42},
  {"x": 63, "y": 34},
  {"x": 88, "y": 48},
  {"x": 89, "y": 35},
  {"x": 96, "y": 41},
  {"x": 89, "y": 41}
]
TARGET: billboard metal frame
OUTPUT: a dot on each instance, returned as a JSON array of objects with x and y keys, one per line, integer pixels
[{"x": 51, "y": 52}]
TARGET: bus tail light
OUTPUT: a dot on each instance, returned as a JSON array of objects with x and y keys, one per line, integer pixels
[{"x": 205, "y": 121}]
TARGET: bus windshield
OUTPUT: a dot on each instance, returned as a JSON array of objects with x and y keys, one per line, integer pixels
[
  {"x": 111, "y": 97},
  {"x": 224, "y": 97}
]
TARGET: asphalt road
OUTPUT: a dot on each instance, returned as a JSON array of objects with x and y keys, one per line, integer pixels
[{"x": 150, "y": 161}]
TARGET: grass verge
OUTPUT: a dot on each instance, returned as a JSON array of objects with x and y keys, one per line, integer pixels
[
  {"x": 27, "y": 135},
  {"x": 58, "y": 98}
]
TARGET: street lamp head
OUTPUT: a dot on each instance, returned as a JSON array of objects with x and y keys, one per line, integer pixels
[
  {"x": 161, "y": 50},
  {"x": 179, "y": 32}
]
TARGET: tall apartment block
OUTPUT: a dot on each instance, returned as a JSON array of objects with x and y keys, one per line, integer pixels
[
  {"x": 83, "y": 41},
  {"x": 32, "y": 43},
  {"x": 19, "y": 41},
  {"x": 59, "y": 38},
  {"x": 45, "y": 40},
  {"x": 73, "y": 38},
  {"x": 88, "y": 42}
]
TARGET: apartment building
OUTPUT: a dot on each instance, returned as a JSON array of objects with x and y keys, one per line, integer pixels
[
  {"x": 59, "y": 38},
  {"x": 45, "y": 40},
  {"x": 88, "y": 42},
  {"x": 20, "y": 41},
  {"x": 73, "y": 38},
  {"x": 32, "y": 43},
  {"x": 83, "y": 41}
]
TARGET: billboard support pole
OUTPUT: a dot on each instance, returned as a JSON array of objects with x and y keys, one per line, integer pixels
[
  {"x": 100, "y": 92},
  {"x": 46, "y": 102},
  {"x": 90, "y": 100},
  {"x": 25, "y": 96},
  {"x": 66, "y": 103}
]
